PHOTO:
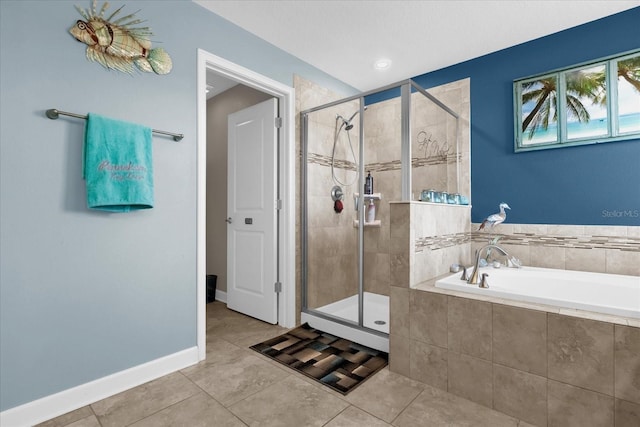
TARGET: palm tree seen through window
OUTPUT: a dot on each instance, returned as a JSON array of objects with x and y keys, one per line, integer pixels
[{"x": 578, "y": 98}]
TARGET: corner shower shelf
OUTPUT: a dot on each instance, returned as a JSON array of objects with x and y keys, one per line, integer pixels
[
  {"x": 374, "y": 196},
  {"x": 377, "y": 223}
]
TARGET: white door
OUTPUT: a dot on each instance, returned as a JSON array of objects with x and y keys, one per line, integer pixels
[{"x": 252, "y": 230}]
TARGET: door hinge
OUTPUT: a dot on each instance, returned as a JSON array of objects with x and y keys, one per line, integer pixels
[
  {"x": 278, "y": 204},
  {"x": 278, "y": 122},
  {"x": 277, "y": 287}
]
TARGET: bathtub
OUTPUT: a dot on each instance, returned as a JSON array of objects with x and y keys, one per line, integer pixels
[{"x": 613, "y": 294}]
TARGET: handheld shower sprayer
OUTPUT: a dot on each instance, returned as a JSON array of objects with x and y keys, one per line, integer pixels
[{"x": 347, "y": 125}]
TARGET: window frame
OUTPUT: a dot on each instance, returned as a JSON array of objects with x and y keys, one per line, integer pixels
[{"x": 611, "y": 82}]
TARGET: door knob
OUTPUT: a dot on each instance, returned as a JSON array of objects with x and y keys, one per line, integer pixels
[{"x": 229, "y": 220}]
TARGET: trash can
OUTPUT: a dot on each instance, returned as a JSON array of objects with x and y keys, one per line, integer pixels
[{"x": 212, "y": 280}]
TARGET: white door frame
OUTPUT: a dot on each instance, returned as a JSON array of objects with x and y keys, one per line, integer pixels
[{"x": 286, "y": 177}]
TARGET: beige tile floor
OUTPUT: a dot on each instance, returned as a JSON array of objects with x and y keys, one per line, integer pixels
[{"x": 236, "y": 386}]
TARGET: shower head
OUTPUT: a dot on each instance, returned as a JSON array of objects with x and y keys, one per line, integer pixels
[{"x": 347, "y": 123}]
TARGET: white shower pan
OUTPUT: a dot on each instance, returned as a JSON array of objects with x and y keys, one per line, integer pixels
[{"x": 376, "y": 317}]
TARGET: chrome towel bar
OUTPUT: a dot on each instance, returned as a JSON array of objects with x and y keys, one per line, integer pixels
[{"x": 54, "y": 114}]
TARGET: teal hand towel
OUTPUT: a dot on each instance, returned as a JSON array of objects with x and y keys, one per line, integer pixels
[{"x": 118, "y": 165}]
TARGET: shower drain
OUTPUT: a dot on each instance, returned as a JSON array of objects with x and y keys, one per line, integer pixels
[{"x": 380, "y": 322}]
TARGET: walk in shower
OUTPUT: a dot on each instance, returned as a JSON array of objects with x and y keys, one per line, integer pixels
[{"x": 406, "y": 140}]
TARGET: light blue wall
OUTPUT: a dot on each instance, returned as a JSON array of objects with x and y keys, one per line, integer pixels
[
  {"x": 86, "y": 294},
  {"x": 594, "y": 184}
]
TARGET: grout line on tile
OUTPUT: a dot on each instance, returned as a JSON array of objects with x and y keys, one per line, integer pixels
[
  {"x": 338, "y": 414},
  {"x": 407, "y": 405},
  {"x": 159, "y": 410}
]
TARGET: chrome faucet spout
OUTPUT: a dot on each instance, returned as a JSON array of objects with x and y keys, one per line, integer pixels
[
  {"x": 514, "y": 262},
  {"x": 473, "y": 279}
]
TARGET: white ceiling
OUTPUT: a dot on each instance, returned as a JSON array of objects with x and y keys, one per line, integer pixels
[{"x": 344, "y": 38}]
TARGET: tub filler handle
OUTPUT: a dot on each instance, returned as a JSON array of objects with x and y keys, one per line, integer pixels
[
  {"x": 484, "y": 283},
  {"x": 465, "y": 274}
]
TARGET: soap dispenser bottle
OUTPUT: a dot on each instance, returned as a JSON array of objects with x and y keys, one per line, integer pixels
[
  {"x": 371, "y": 211},
  {"x": 368, "y": 184}
]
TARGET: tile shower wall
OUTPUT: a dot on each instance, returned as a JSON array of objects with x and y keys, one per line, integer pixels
[
  {"x": 426, "y": 238},
  {"x": 332, "y": 238},
  {"x": 434, "y": 153},
  {"x": 435, "y": 148}
]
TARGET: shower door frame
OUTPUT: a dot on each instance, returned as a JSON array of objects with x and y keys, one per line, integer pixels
[
  {"x": 304, "y": 215},
  {"x": 405, "y": 87}
]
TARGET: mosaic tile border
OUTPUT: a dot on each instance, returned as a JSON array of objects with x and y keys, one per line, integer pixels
[
  {"x": 322, "y": 160},
  {"x": 629, "y": 244},
  {"x": 578, "y": 242},
  {"x": 416, "y": 162},
  {"x": 433, "y": 243}
]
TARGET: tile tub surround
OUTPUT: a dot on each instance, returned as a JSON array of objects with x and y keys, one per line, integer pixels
[
  {"x": 544, "y": 365},
  {"x": 598, "y": 249},
  {"x": 440, "y": 238}
]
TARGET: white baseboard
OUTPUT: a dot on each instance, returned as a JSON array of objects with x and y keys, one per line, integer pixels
[
  {"x": 74, "y": 398},
  {"x": 221, "y": 296}
]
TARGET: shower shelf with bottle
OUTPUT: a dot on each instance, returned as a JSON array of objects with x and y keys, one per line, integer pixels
[
  {"x": 367, "y": 197},
  {"x": 374, "y": 196}
]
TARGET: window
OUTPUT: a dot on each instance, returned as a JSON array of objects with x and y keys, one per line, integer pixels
[{"x": 586, "y": 104}]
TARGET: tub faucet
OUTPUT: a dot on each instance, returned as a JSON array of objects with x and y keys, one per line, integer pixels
[{"x": 473, "y": 279}]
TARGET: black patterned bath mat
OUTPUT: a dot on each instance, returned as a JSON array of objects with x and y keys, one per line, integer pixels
[{"x": 333, "y": 361}]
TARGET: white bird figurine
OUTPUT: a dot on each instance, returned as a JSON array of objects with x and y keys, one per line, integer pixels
[{"x": 495, "y": 219}]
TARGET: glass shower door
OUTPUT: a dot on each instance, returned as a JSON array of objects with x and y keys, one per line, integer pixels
[
  {"x": 331, "y": 177},
  {"x": 382, "y": 159}
]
